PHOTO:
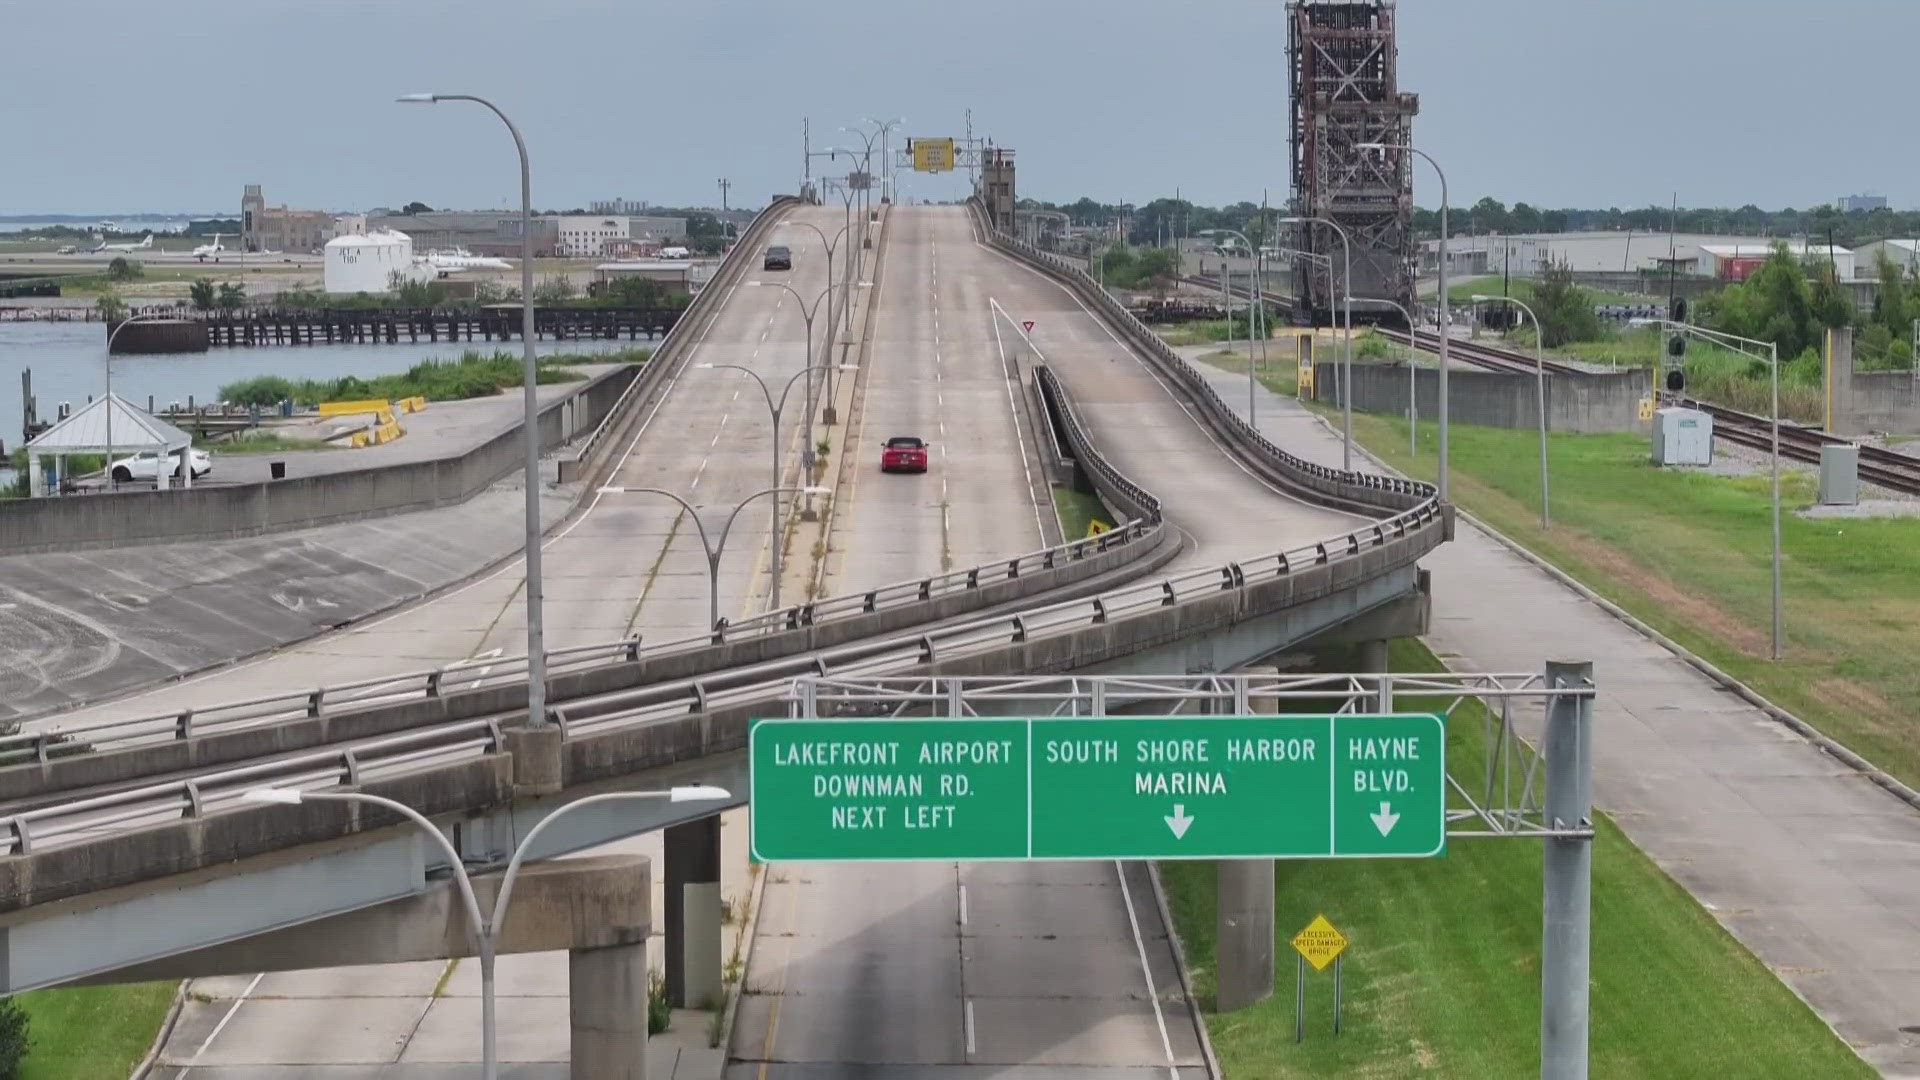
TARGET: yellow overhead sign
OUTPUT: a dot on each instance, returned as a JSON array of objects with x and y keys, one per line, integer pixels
[
  {"x": 933, "y": 155},
  {"x": 1319, "y": 943}
]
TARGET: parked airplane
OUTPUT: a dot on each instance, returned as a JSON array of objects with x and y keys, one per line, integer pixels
[
  {"x": 210, "y": 251},
  {"x": 128, "y": 247},
  {"x": 444, "y": 263}
]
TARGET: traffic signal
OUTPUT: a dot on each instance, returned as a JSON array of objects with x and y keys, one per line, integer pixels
[{"x": 1674, "y": 363}]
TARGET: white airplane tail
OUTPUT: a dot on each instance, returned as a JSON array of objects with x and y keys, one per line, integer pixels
[{"x": 148, "y": 242}]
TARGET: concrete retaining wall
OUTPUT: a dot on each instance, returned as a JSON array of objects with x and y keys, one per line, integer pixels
[
  {"x": 126, "y": 519},
  {"x": 1870, "y": 401},
  {"x": 1600, "y": 401}
]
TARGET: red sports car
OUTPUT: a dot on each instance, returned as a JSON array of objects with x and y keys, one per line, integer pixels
[{"x": 904, "y": 453}]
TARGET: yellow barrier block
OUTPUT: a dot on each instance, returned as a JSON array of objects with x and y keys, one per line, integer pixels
[
  {"x": 359, "y": 439},
  {"x": 382, "y": 409}
]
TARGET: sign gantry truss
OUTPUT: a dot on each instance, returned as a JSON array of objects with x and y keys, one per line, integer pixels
[{"x": 1494, "y": 790}]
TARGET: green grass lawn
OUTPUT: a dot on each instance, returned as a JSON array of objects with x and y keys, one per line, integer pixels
[
  {"x": 1076, "y": 509},
  {"x": 1442, "y": 978},
  {"x": 265, "y": 442},
  {"x": 93, "y": 1032},
  {"x": 1689, "y": 553},
  {"x": 1463, "y": 291}
]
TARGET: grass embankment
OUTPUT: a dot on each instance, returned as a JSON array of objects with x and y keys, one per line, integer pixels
[
  {"x": 474, "y": 374},
  {"x": 1442, "y": 978},
  {"x": 265, "y": 442},
  {"x": 1689, "y": 553},
  {"x": 93, "y": 1032}
]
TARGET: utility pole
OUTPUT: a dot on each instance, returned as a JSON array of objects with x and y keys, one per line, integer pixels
[
  {"x": 724, "y": 185},
  {"x": 806, "y": 148}
]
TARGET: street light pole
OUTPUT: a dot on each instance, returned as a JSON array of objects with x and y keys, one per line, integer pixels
[
  {"x": 773, "y": 410},
  {"x": 1413, "y": 386},
  {"x": 806, "y": 314},
  {"x": 1346, "y": 375},
  {"x": 186, "y": 456},
  {"x": 485, "y": 929},
  {"x": 530, "y": 420},
  {"x": 1253, "y": 298},
  {"x": 886, "y": 155},
  {"x": 714, "y": 550},
  {"x": 1444, "y": 322},
  {"x": 1540, "y": 391}
]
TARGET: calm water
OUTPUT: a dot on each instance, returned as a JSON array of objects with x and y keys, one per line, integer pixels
[{"x": 68, "y": 361}]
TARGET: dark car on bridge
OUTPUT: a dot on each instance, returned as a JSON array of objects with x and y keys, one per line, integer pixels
[
  {"x": 904, "y": 453},
  {"x": 778, "y": 258}
]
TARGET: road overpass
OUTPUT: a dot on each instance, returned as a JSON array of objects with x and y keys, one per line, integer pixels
[{"x": 1271, "y": 551}]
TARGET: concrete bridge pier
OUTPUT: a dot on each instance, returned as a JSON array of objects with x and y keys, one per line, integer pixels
[
  {"x": 607, "y": 1012},
  {"x": 692, "y": 882}
]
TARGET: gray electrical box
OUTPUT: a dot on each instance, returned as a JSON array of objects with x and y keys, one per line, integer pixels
[
  {"x": 1682, "y": 437},
  {"x": 1839, "y": 474}
]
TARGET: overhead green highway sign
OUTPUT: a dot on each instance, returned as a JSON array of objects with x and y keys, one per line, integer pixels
[{"x": 1201, "y": 787}]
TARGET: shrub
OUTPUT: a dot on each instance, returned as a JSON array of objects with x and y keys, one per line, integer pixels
[
  {"x": 15, "y": 1038},
  {"x": 659, "y": 1009}
]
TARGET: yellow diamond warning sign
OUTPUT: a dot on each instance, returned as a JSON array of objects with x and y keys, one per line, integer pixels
[{"x": 1319, "y": 943}]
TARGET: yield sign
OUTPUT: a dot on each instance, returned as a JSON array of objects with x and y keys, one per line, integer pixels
[{"x": 1027, "y": 325}]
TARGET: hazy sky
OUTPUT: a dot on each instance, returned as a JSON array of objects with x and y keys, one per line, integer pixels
[{"x": 120, "y": 106}]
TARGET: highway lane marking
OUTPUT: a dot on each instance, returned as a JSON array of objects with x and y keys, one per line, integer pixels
[
  {"x": 1146, "y": 970},
  {"x": 963, "y": 905},
  {"x": 222, "y": 1025},
  {"x": 1013, "y": 407},
  {"x": 970, "y": 1049}
]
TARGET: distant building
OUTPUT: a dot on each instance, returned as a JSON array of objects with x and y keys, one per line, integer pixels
[
  {"x": 1902, "y": 253},
  {"x": 1737, "y": 262},
  {"x": 1862, "y": 204},
  {"x": 673, "y": 273},
  {"x": 618, "y": 206},
  {"x": 481, "y": 232},
  {"x": 276, "y": 228},
  {"x": 631, "y": 248},
  {"x": 654, "y": 227},
  {"x": 349, "y": 224},
  {"x": 367, "y": 262},
  {"x": 1615, "y": 252},
  {"x": 585, "y": 236}
]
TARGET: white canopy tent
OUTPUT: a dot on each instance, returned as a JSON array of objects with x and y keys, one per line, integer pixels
[{"x": 109, "y": 426}]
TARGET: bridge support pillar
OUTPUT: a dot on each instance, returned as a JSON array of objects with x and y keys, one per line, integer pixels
[
  {"x": 1373, "y": 657},
  {"x": 693, "y": 912},
  {"x": 607, "y": 1012},
  {"x": 1243, "y": 922}
]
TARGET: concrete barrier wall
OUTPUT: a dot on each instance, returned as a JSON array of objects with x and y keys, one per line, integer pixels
[
  {"x": 222, "y": 513},
  {"x": 1600, "y": 401},
  {"x": 1884, "y": 401}
]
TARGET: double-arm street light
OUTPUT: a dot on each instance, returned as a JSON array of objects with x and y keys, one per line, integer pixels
[
  {"x": 774, "y": 411},
  {"x": 715, "y": 549},
  {"x": 829, "y": 245},
  {"x": 485, "y": 929},
  {"x": 1346, "y": 372},
  {"x": 887, "y": 193},
  {"x": 807, "y": 313},
  {"x": 1445, "y": 321},
  {"x": 1540, "y": 390},
  {"x": 530, "y": 421}
]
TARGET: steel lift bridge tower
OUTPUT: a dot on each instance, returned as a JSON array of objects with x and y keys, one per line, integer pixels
[{"x": 1344, "y": 63}]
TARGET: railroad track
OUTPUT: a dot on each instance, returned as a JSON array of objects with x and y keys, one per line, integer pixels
[{"x": 1888, "y": 468}]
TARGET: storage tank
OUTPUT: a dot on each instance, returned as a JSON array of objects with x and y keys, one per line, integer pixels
[{"x": 365, "y": 262}]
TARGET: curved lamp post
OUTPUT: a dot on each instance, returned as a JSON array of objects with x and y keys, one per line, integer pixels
[
  {"x": 715, "y": 550},
  {"x": 1444, "y": 324},
  {"x": 486, "y": 929},
  {"x": 530, "y": 421},
  {"x": 1346, "y": 375},
  {"x": 1540, "y": 389}
]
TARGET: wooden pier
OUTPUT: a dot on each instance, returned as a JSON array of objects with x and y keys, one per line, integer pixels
[{"x": 373, "y": 326}]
